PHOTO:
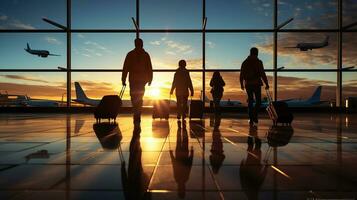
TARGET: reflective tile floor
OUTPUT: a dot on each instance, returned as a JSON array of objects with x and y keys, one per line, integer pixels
[{"x": 59, "y": 156}]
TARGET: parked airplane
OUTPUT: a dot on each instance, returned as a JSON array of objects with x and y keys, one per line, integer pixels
[
  {"x": 310, "y": 46},
  {"x": 82, "y": 98},
  {"x": 314, "y": 100},
  {"x": 225, "y": 103},
  {"x": 41, "y": 53},
  {"x": 13, "y": 100}
]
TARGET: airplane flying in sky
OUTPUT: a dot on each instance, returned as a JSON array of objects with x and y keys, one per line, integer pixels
[
  {"x": 40, "y": 53},
  {"x": 311, "y": 46}
]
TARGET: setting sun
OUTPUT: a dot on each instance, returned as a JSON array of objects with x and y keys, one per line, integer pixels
[{"x": 154, "y": 93}]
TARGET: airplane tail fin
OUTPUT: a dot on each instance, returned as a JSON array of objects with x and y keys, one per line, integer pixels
[
  {"x": 80, "y": 95},
  {"x": 28, "y": 46},
  {"x": 316, "y": 96}
]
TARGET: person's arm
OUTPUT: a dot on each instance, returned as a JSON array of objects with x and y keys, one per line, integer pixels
[
  {"x": 150, "y": 69},
  {"x": 223, "y": 83},
  {"x": 241, "y": 76},
  {"x": 211, "y": 82},
  {"x": 125, "y": 69},
  {"x": 173, "y": 86},
  {"x": 263, "y": 75},
  {"x": 190, "y": 84}
]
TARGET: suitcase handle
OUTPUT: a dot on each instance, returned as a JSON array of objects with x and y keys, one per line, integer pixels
[
  {"x": 269, "y": 96},
  {"x": 122, "y": 91}
]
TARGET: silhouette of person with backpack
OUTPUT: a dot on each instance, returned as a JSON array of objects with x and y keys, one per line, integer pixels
[
  {"x": 251, "y": 75},
  {"x": 182, "y": 83},
  {"x": 138, "y": 64},
  {"x": 217, "y": 83}
]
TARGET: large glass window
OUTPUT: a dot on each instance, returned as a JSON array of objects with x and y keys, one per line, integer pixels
[
  {"x": 229, "y": 50},
  {"x": 307, "y": 50},
  {"x": 97, "y": 84},
  {"x": 27, "y": 15},
  {"x": 307, "y": 14},
  {"x": 349, "y": 8},
  {"x": 98, "y": 14},
  {"x": 307, "y": 89},
  {"x": 167, "y": 49},
  {"x": 245, "y": 14},
  {"x": 100, "y": 50},
  {"x": 170, "y": 14},
  {"x": 232, "y": 95},
  {"x": 33, "y": 50},
  {"x": 45, "y": 89}
]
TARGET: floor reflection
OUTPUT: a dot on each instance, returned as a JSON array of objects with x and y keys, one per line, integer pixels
[
  {"x": 135, "y": 180},
  {"x": 182, "y": 159},
  {"x": 69, "y": 156},
  {"x": 252, "y": 171}
]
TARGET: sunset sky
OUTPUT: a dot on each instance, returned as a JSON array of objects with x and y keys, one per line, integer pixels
[{"x": 223, "y": 50}]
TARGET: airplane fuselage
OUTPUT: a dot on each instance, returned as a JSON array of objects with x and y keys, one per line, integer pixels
[{"x": 41, "y": 53}]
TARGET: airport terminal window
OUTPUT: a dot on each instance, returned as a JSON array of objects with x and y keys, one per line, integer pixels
[
  {"x": 349, "y": 85},
  {"x": 300, "y": 86},
  {"x": 95, "y": 85},
  {"x": 100, "y": 50},
  {"x": 102, "y": 36},
  {"x": 349, "y": 49},
  {"x": 229, "y": 50},
  {"x": 323, "y": 54},
  {"x": 318, "y": 14},
  {"x": 170, "y": 14},
  {"x": 27, "y": 15},
  {"x": 244, "y": 14},
  {"x": 167, "y": 49},
  {"x": 349, "y": 8},
  {"x": 96, "y": 14},
  {"x": 16, "y": 55},
  {"x": 233, "y": 95},
  {"x": 44, "y": 89}
]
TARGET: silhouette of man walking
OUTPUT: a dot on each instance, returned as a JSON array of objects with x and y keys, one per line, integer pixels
[
  {"x": 182, "y": 83},
  {"x": 138, "y": 64},
  {"x": 251, "y": 75}
]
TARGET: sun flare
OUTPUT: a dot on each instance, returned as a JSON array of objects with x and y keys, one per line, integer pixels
[{"x": 154, "y": 93}]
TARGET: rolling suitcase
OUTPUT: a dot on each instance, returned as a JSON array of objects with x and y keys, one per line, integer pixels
[
  {"x": 161, "y": 109},
  {"x": 279, "y": 111},
  {"x": 109, "y": 106},
  {"x": 196, "y": 109}
]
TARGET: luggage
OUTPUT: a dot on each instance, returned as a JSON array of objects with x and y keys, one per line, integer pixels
[
  {"x": 109, "y": 106},
  {"x": 279, "y": 111},
  {"x": 109, "y": 134},
  {"x": 196, "y": 109},
  {"x": 161, "y": 109},
  {"x": 279, "y": 136}
]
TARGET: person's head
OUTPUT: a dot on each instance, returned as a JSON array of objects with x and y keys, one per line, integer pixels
[
  {"x": 216, "y": 74},
  {"x": 182, "y": 63},
  {"x": 138, "y": 43},
  {"x": 254, "y": 51}
]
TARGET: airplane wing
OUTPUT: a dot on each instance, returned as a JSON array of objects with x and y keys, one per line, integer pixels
[{"x": 53, "y": 54}]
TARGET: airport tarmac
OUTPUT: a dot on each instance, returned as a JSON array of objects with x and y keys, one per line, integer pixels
[{"x": 68, "y": 156}]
